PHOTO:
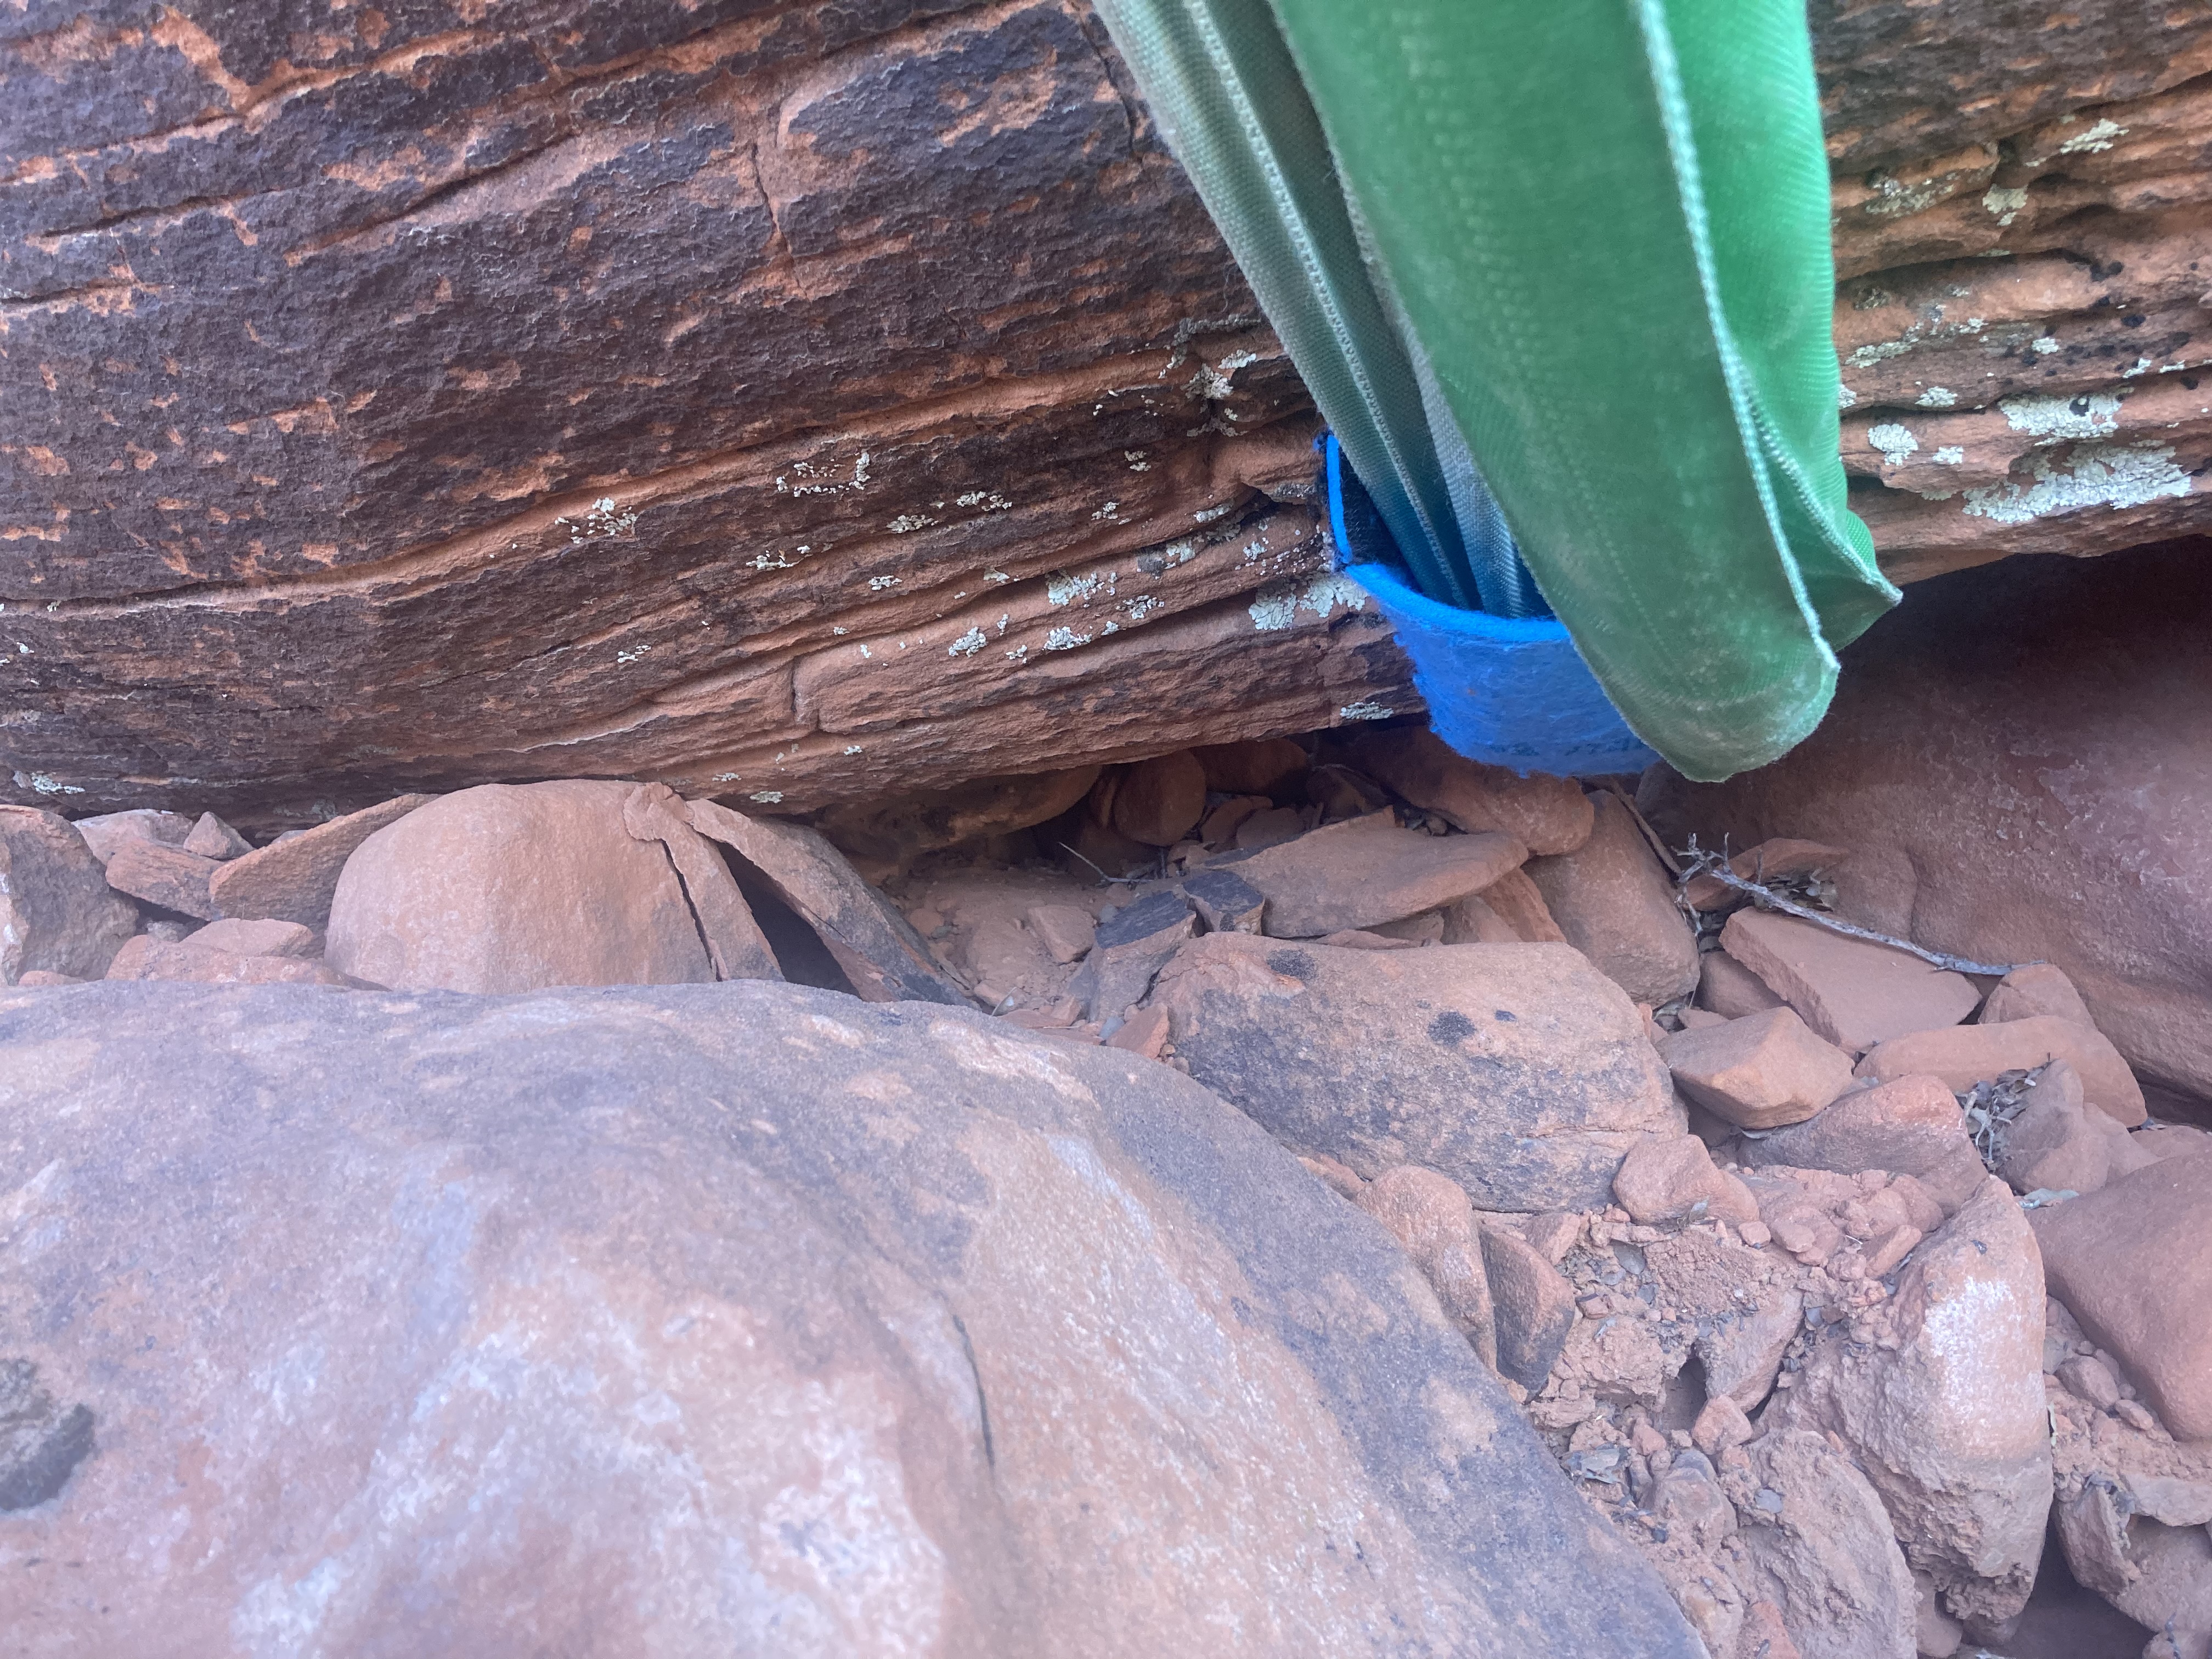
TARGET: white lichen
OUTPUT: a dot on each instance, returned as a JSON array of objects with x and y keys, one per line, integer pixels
[
  {"x": 1949, "y": 455},
  {"x": 1937, "y": 397},
  {"x": 1277, "y": 608},
  {"x": 2096, "y": 137},
  {"x": 968, "y": 644},
  {"x": 2093, "y": 475},
  {"x": 1365, "y": 711},
  {"x": 767, "y": 797},
  {"x": 1895, "y": 442},
  {"x": 2004, "y": 203},
  {"x": 907, "y": 523},
  {"x": 2062, "y": 420}
]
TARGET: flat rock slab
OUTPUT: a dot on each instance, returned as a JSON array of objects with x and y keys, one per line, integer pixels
[
  {"x": 296, "y": 879},
  {"x": 876, "y": 946},
  {"x": 1963, "y": 1055},
  {"x": 1853, "y": 993},
  {"x": 730, "y": 1318},
  {"x": 1518, "y": 1070},
  {"x": 1615, "y": 903},
  {"x": 1366, "y": 871}
]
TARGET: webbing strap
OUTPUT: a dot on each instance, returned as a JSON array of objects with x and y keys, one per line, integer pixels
[{"x": 1602, "y": 226}]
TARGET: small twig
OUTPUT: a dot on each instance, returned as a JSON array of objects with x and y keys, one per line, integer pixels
[
  {"x": 1702, "y": 863},
  {"x": 1127, "y": 881}
]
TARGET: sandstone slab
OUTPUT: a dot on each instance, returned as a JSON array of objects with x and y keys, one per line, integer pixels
[
  {"x": 1616, "y": 905},
  {"x": 1547, "y": 814},
  {"x": 1368, "y": 870},
  {"x": 1761, "y": 1071},
  {"x": 2057, "y": 1143},
  {"x": 2039, "y": 989},
  {"x": 1517, "y": 901},
  {"x": 168, "y": 877},
  {"x": 104, "y": 832},
  {"x": 736, "y": 946},
  {"x": 1517, "y": 1070},
  {"x": 1938, "y": 1397},
  {"x": 147, "y": 958},
  {"x": 266, "y": 937},
  {"x": 1160, "y": 800},
  {"x": 57, "y": 913},
  {"x": 296, "y": 879},
  {"x": 1908, "y": 1126},
  {"x": 514, "y": 887},
  {"x": 1853, "y": 993},
  {"x": 2133, "y": 1263},
  {"x": 1963, "y": 1055},
  {"x": 956, "y": 1341},
  {"x": 1727, "y": 988}
]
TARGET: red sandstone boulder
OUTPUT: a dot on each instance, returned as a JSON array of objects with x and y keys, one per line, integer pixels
[
  {"x": 1160, "y": 800},
  {"x": 2039, "y": 988},
  {"x": 1758, "y": 1072},
  {"x": 1616, "y": 905},
  {"x": 1517, "y": 1071},
  {"x": 168, "y": 877},
  {"x": 147, "y": 958},
  {"x": 876, "y": 1327},
  {"x": 104, "y": 832},
  {"x": 1673, "y": 1179},
  {"x": 1938, "y": 1395},
  {"x": 1532, "y": 1303},
  {"x": 57, "y": 913},
  {"x": 2133, "y": 1263},
  {"x": 508, "y": 888},
  {"x": 1727, "y": 988}
]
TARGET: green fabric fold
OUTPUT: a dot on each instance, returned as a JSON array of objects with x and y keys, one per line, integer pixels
[{"x": 1604, "y": 225}]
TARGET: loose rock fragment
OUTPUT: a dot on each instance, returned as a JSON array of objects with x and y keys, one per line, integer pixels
[
  {"x": 1533, "y": 1303},
  {"x": 57, "y": 913},
  {"x": 211, "y": 838},
  {"x": 265, "y": 937},
  {"x": 294, "y": 879},
  {"x": 1132, "y": 947},
  {"x": 1067, "y": 931},
  {"x": 1367, "y": 870},
  {"x": 1673, "y": 1179},
  {"x": 1160, "y": 801},
  {"x": 1761, "y": 1071},
  {"x": 1908, "y": 1126},
  {"x": 147, "y": 958},
  {"x": 1616, "y": 905},
  {"x": 1855, "y": 994},
  {"x": 2039, "y": 988},
  {"x": 1225, "y": 902},
  {"x": 1430, "y": 1215},
  {"x": 1729, "y": 989},
  {"x": 105, "y": 831}
]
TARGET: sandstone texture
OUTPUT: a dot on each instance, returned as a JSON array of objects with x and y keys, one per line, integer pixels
[
  {"x": 507, "y": 887},
  {"x": 1544, "y": 814},
  {"x": 1516, "y": 1070},
  {"x": 346, "y": 353},
  {"x": 2133, "y": 1262},
  {"x": 1853, "y": 993},
  {"x": 1908, "y": 1126},
  {"x": 1367, "y": 869},
  {"x": 1944, "y": 1410},
  {"x": 735, "y": 1317},
  {"x": 57, "y": 913},
  {"x": 1990, "y": 810},
  {"x": 1962, "y": 1055},
  {"x": 1757, "y": 1073},
  {"x": 295, "y": 877},
  {"x": 1615, "y": 904}
]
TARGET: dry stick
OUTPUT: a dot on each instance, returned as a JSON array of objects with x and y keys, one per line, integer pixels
[
  {"x": 1127, "y": 881},
  {"x": 1768, "y": 898}
]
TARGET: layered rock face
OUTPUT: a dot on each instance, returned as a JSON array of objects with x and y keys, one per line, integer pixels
[
  {"x": 724, "y": 1318},
  {"x": 803, "y": 403}
]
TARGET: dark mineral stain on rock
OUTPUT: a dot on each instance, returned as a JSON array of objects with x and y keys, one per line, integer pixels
[
  {"x": 1449, "y": 1027},
  {"x": 1295, "y": 964},
  {"x": 39, "y": 1442}
]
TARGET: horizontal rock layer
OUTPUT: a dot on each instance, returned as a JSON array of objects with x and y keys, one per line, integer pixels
[{"x": 804, "y": 402}]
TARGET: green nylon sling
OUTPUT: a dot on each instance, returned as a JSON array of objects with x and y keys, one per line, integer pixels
[{"x": 1598, "y": 230}]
